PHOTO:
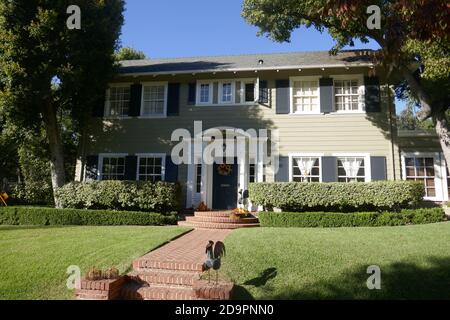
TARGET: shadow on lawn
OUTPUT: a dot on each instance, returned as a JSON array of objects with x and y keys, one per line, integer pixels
[{"x": 398, "y": 281}]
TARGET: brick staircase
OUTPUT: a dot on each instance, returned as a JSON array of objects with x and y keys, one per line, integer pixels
[
  {"x": 173, "y": 271},
  {"x": 218, "y": 220}
]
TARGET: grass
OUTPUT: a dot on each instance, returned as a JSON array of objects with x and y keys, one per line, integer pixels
[
  {"x": 296, "y": 263},
  {"x": 34, "y": 260}
]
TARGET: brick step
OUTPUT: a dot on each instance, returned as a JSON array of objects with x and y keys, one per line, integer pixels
[
  {"x": 173, "y": 278},
  {"x": 136, "y": 291},
  {"x": 222, "y": 219},
  {"x": 223, "y": 214},
  {"x": 144, "y": 264},
  {"x": 211, "y": 225}
]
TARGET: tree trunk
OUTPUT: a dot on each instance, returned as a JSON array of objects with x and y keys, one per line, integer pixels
[
  {"x": 56, "y": 149},
  {"x": 425, "y": 100},
  {"x": 442, "y": 130}
]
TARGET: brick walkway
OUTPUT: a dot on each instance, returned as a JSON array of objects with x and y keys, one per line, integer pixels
[{"x": 172, "y": 272}]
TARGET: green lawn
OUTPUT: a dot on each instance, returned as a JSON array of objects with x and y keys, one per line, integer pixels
[
  {"x": 33, "y": 260},
  {"x": 277, "y": 263}
]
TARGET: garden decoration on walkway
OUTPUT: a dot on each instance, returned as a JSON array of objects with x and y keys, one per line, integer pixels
[
  {"x": 214, "y": 254},
  {"x": 3, "y": 197}
]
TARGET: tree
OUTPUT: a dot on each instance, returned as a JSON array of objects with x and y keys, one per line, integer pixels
[
  {"x": 47, "y": 69},
  {"x": 411, "y": 31},
  {"x": 128, "y": 53}
]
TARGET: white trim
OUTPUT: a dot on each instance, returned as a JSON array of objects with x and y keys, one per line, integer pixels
[
  {"x": 291, "y": 94},
  {"x": 304, "y": 154},
  {"x": 361, "y": 92},
  {"x": 149, "y": 84},
  {"x": 220, "y": 102},
  {"x": 439, "y": 172},
  {"x": 101, "y": 156},
  {"x": 367, "y": 164},
  {"x": 154, "y": 155}
]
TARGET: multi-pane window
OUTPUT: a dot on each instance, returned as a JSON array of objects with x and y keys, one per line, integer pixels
[
  {"x": 249, "y": 92},
  {"x": 306, "y": 169},
  {"x": 113, "y": 168},
  {"x": 118, "y": 101},
  {"x": 346, "y": 95},
  {"x": 153, "y": 100},
  {"x": 204, "y": 93},
  {"x": 252, "y": 172},
  {"x": 305, "y": 96},
  {"x": 422, "y": 169},
  {"x": 198, "y": 178},
  {"x": 151, "y": 168},
  {"x": 351, "y": 169},
  {"x": 227, "y": 92}
]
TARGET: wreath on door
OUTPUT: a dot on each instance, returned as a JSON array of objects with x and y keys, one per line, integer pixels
[{"x": 224, "y": 169}]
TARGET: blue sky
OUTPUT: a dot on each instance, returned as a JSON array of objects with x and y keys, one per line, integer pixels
[{"x": 180, "y": 28}]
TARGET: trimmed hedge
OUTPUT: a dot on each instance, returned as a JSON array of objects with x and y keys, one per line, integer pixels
[
  {"x": 58, "y": 217},
  {"x": 160, "y": 197},
  {"x": 371, "y": 196},
  {"x": 352, "y": 219}
]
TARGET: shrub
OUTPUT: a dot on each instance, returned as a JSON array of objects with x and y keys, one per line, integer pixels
[
  {"x": 32, "y": 193},
  {"x": 352, "y": 219},
  {"x": 121, "y": 195},
  {"x": 372, "y": 196},
  {"x": 52, "y": 217}
]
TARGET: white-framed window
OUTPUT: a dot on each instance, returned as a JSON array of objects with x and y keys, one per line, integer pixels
[
  {"x": 204, "y": 92},
  {"x": 154, "y": 99},
  {"x": 249, "y": 91},
  {"x": 112, "y": 166},
  {"x": 227, "y": 92},
  {"x": 305, "y": 95},
  {"x": 353, "y": 168},
  {"x": 117, "y": 100},
  {"x": 151, "y": 167},
  {"x": 305, "y": 167},
  {"x": 348, "y": 93}
]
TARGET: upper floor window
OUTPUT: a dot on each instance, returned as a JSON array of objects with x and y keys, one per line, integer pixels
[
  {"x": 306, "y": 169},
  {"x": 249, "y": 91},
  {"x": 347, "y": 96},
  {"x": 205, "y": 95},
  {"x": 226, "y": 92},
  {"x": 153, "y": 100},
  {"x": 118, "y": 101},
  {"x": 305, "y": 96},
  {"x": 151, "y": 168},
  {"x": 351, "y": 169},
  {"x": 112, "y": 168}
]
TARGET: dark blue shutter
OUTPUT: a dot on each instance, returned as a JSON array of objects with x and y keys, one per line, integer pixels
[
  {"x": 283, "y": 106},
  {"x": 135, "y": 100},
  {"x": 192, "y": 93},
  {"x": 329, "y": 169},
  {"x": 378, "y": 168},
  {"x": 173, "y": 99},
  {"x": 283, "y": 170},
  {"x": 131, "y": 167},
  {"x": 91, "y": 168},
  {"x": 326, "y": 95},
  {"x": 372, "y": 98},
  {"x": 171, "y": 170},
  {"x": 263, "y": 92}
]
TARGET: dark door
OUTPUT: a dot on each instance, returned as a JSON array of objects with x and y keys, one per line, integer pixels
[{"x": 225, "y": 180}]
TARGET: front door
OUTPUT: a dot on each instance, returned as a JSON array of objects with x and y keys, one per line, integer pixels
[{"x": 225, "y": 181}]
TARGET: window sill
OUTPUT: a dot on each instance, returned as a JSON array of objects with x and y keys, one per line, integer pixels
[
  {"x": 116, "y": 118},
  {"x": 153, "y": 117}
]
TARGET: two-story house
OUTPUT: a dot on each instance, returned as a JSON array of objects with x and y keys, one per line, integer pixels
[{"x": 334, "y": 118}]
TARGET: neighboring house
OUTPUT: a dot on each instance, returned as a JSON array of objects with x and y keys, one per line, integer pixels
[{"x": 334, "y": 124}]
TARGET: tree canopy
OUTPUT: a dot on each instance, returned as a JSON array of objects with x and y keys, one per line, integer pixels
[{"x": 128, "y": 53}]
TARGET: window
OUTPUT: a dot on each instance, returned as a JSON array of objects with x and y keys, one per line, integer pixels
[
  {"x": 346, "y": 94},
  {"x": 151, "y": 168},
  {"x": 113, "y": 168},
  {"x": 205, "y": 93},
  {"x": 118, "y": 102},
  {"x": 154, "y": 100},
  {"x": 252, "y": 172},
  {"x": 305, "y": 96},
  {"x": 249, "y": 92},
  {"x": 351, "y": 169},
  {"x": 306, "y": 169},
  {"x": 198, "y": 178},
  {"x": 226, "y": 92},
  {"x": 422, "y": 169}
]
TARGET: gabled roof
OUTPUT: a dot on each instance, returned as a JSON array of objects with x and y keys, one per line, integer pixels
[{"x": 281, "y": 61}]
